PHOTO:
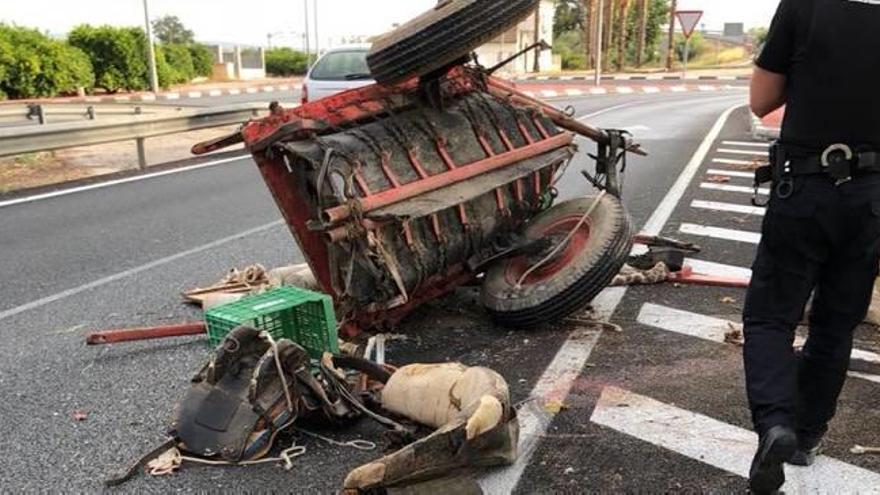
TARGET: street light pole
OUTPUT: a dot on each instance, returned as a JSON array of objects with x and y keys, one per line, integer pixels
[
  {"x": 599, "y": 36},
  {"x": 151, "y": 50}
]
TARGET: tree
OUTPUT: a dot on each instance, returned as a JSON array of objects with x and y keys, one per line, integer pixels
[
  {"x": 34, "y": 65},
  {"x": 569, "y": 16},
  {"x": 170, "y": 31}
]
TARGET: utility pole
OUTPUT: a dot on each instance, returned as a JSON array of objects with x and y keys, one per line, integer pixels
[
  {"x": 537, "y": 65},
  {"x": 670, "y": 53},
  {"x": 643, "y": 32},
  {"x": 151, "y": 50},
  {"x": 307, "y": 35},
  {"x": 317, "y": 37},
  {"x": 600, "y": 21}
]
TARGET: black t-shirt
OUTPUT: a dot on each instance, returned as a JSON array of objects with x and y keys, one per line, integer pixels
[{"x": 830, "y": 51}]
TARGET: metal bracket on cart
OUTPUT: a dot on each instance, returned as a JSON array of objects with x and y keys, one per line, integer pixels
[{"x": 611, "y": 161}]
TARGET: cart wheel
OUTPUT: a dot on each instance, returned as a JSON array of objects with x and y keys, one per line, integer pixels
[
  {"x": 439, "y": 37},
  {"x": 573, "y": 277}
]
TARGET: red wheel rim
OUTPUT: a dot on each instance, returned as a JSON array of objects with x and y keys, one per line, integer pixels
[{"x": 556, "y": 231}]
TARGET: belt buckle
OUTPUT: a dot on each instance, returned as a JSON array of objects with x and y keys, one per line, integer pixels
[{"x": 837, "y": 162}]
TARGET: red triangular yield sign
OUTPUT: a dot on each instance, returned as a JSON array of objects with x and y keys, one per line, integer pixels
[{"x": 689, "y": 20}]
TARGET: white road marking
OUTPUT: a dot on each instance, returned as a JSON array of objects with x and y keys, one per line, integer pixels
[
  {"x": 720, "y": 233},
  {"x": 251, "y": 91},
  {"x": 215, "y": 92},
  {"x": 738, "y": 189},
  {"x": 727, "y": 207},
  {"x": 268, "y": 89},
  {"x": 133, "y": 271},
  {"x": 553, "y": 385},
  {"x": 664, "y": 210},
  {"x": 146, "y": 97},
  {"x": 714, "y": 329},
  {"x": 706, "y": 87},
  {"x": 194, "y": 94},
  {"x": 678, "y": 89},
  {"x": 728, "y": 161},
  {"x": 606, "y": 110},
  {"x": 573, "y": 92},
  {"x": 283, "y": 87},
  {"x": 731, "y": 173},
  {"x": 685, "y": 322},
  {"x": 570, "y": 359},
  {"x": 650, "y": 89},
  {"x": 171, "y": 96},
  {"x": 101, "y": 185},
  {"x": 722, "y": 445},
  {"x": 234, "y": 91},
  {"x": 598, "y": 91},
  {"x": 624, "y": 90},
  {"x": 756, "y": 144},
  {"x": 549, "y": 93},
  {"x": 718, "y": 269},
  {"x": 744, "y": 152}
]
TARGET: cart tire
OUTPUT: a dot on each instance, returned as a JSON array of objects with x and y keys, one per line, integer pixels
[
  {"x": 441, "y": 36},
  {"x": 570, "y": 280}
]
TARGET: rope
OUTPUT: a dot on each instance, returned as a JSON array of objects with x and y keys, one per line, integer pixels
[
  {"x": 564, "y": 242},
  {"x": 355, "y": 444},
  {"x": 274, "y": 346},
  {"x": 171, "y": 460}
]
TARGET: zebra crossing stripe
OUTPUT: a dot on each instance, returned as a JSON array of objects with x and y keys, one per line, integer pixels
[
  {"x": 731, "y": 173},
  {"x": 720, "y": 233},
  {"x": 727, "y": 207},
  {"x": 711, "y": 268},
  {"x": 744, "y": 152},
  {"x": 738, "y": 189},
  {"x": 718, "y": 444}
]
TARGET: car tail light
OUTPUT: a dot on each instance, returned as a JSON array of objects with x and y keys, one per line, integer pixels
[{"x": 305, "y": 94}]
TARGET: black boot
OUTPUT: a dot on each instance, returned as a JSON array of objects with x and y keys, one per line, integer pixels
[
  {"x": 776, "y": 447},
  {"x": 807, "y": 450}
]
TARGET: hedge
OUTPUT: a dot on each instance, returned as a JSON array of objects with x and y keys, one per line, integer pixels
[
  {"x": 286, "y": 62},
  {"x": 32, "y": 65},
  {"x": 202, "y": 59},
  {"x": 118, "y": 55},
  {"x": 180, "y": 62}
]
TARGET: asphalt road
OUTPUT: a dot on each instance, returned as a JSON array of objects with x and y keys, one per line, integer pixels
[{"x": 119, "y": 256}]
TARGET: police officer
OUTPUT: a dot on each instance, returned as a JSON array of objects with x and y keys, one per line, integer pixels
[{"x": 821, "y": 233}]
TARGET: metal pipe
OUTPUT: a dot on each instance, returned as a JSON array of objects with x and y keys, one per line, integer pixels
[
  {"x": 599, "y": 35},
  {"x": 149, "y": 333},
  {"x": 386, "y": 198}
]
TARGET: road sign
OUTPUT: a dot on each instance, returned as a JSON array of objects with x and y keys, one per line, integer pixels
[{"x": 688, "y": 20}]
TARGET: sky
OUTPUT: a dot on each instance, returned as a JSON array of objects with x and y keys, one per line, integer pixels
[{"x": 248, "y": 22}]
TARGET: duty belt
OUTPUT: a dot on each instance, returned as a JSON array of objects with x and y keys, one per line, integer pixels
[{"x": 838, "y": 161}]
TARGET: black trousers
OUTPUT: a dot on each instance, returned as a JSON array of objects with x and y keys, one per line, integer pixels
[{"x": 822, "y": 240}]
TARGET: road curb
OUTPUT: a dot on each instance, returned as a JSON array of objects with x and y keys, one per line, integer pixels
[
  {"x": 647, "y": 77},
  {"x": 554, "y": 91}
]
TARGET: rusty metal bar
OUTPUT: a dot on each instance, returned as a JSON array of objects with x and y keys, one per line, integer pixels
[
  {"x": 149, "y": 333},
  {"x": 343, "y": 212}
]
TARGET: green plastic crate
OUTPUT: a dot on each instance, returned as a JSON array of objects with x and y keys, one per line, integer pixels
[{"x": 302, "y": 316}]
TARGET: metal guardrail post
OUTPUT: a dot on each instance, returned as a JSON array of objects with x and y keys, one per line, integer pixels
[{"x": 141, "y": 148}]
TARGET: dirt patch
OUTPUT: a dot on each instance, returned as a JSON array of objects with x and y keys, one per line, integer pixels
[{"x": 42, "y": 169}]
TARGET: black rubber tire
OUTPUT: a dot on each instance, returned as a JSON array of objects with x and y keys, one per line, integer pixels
[
  {"x": 439, "y": 37},
  {"x": 577, "y": 283}
]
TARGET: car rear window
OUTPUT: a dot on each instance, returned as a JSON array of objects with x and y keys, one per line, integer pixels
[{"x": 340, "y": 66}]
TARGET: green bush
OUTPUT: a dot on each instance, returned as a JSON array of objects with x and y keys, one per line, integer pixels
[
  {"x": 34, "y": 65},
  {"x": 202, "y": 59},
  {"x": 286, "y": 62},
  {"x": 181, "y": 63},
  {"x": 570, "y": 46},
  {"x": 118, "y": 55},
  {"x": 697, "y": 48}
]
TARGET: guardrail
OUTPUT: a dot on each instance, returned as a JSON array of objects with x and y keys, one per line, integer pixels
[
  {"x": 49, "y": 137},
  {"x": 40, "y": 113}
]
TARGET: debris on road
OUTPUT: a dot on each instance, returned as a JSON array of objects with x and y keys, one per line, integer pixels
[
  {"x": 860, "y": 450},
  {"x": 735, "y": 335},
  {"x": 727, "y": 300},
  {"x": 146, "y": 333},
  {"x": 253, "y": 279},
  {"x": 80, "y": 415},
  {"x": 718, "y": 179},
  {"x": 634, "y": 276}
]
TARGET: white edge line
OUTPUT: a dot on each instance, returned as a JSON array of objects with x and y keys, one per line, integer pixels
[
  {"x": 506, "y": 480},
  {"x": 664, "y": 211},
  {"x": 136, "y": 178},
  {"x": 133, "y": 271}
]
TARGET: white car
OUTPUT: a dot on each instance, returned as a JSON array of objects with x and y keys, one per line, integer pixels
[{"x": 338, "y": 69}]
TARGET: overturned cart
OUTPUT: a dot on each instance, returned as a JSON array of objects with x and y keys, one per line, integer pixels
[{"x": 398, "y": 193}]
